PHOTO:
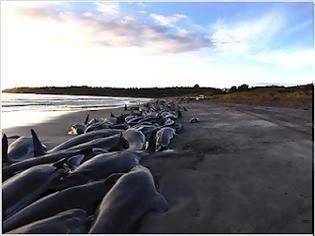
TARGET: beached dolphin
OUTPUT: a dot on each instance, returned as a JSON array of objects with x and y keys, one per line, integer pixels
[
  {"x": 168, "y": 122},
  {"x": 112, "y": 143},
  {"x": 164, "y": 137},
  {"x": 83, "y": 138},
  {"x": 27, "y": 186},
  {"x": 79, "y": 128},
  {"x": 74, "y": 221},
  {"x": 119, "y": 126},
  {"x": 121, "y": 118},
  {"x": 194, "y": 120},
  {"x": 135, "y": 139},
  {"x": 178, "y": 126},
  {"x": 141, "y": 124},
  {"x": 100, "y": 167},
  {"x": 85, "y": 197},
  {"x": 133, "y": 195},
  {"x": 147, "y": 130},
  {"x": 23, "y": 148},
  {"x": 97, "y": 126},
  {"x": 151, "y": 144},
  {"x": 133, "y": 117},
  {"x": 113, "y": 118},
  {"x": 15, "y": 168},
  {"x": 135, "y": 120},
  {"x": 179, "y": 114}
]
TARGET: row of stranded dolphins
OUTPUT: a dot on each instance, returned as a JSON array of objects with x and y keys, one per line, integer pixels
[{"x": 93, "y": 182}]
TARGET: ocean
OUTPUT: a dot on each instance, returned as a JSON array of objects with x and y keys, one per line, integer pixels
[{"x": 18, "y": 109}]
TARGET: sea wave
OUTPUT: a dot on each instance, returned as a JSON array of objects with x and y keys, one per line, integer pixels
[{"x": 39, "y": 102}]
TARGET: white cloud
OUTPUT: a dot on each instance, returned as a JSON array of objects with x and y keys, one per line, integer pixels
[
  {"x": 167, "y": 20},
  {"x": 108, "y": 8},
  {"x": 93, "y": 28},
  {"x": 244, "y": 36}
]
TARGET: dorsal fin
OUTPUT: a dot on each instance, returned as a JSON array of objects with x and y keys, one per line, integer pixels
[
  {"x": 152, "y": 141},
  {"x": 87, "y": 119},
  {"x": 126, "y": 108},
  {"x": 112, "y": 115},
  {"x": 4, "y": 148},
  {"x": 38, "y": 147}
]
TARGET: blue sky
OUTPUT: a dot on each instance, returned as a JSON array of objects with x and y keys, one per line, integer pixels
[{"x": 156, "y": 44}]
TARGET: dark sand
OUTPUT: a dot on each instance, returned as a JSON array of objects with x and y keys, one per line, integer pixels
[{"x": 241, "y": 169}]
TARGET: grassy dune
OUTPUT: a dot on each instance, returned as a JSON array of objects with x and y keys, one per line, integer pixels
[{"x": 294, "y": 96}]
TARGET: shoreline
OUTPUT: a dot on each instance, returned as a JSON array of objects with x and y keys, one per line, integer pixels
[
  {"x": 55, "y": 130},
  {"x": 48, "y": 115}
]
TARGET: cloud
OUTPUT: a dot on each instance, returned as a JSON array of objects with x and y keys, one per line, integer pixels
[
  {"x": 167, "y": 20},
  {"x": 108, "y": 8},
  {"x": 105, "y": 27},
  {"x": 244, "y": 36},
  {"x": 58, "y": 45}
]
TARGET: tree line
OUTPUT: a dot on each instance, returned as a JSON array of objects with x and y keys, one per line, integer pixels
[{"x": 154, "y": 92}]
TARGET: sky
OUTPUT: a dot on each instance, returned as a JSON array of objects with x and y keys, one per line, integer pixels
[{"x": 156, "y": 44}]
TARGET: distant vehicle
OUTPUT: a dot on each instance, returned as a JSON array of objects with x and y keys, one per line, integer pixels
[{"x": 200, "y": 97}]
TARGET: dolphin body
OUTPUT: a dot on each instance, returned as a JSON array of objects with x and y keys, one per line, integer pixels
[
  {"x": 134, "y": 193},
  {"x": 83, "y": 138},
  {"x": 101, "y": 166},
  {"x": 135, "y": 139},
  {"x": 15, "y": 168},
  {"x": 26, "y": 187},
  {"x": 79, "y": 128},
  {"x": 22, "y": 148},
  {"x": 111, "y": 143},
  {"x": 164, "y": 137},
  {"x": 74, "y": 221},
  {"x": 85, "y": 197}
]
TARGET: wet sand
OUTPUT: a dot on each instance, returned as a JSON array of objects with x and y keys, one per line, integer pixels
[
  {"x": 241, "y": 169},
  {"x": 55, "y": 131}
]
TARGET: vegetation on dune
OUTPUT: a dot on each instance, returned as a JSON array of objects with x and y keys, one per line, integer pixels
[{"x": 271, "y": 95}]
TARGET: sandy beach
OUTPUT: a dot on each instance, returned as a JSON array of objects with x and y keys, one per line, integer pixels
[{"x": 241, "y": 169}]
